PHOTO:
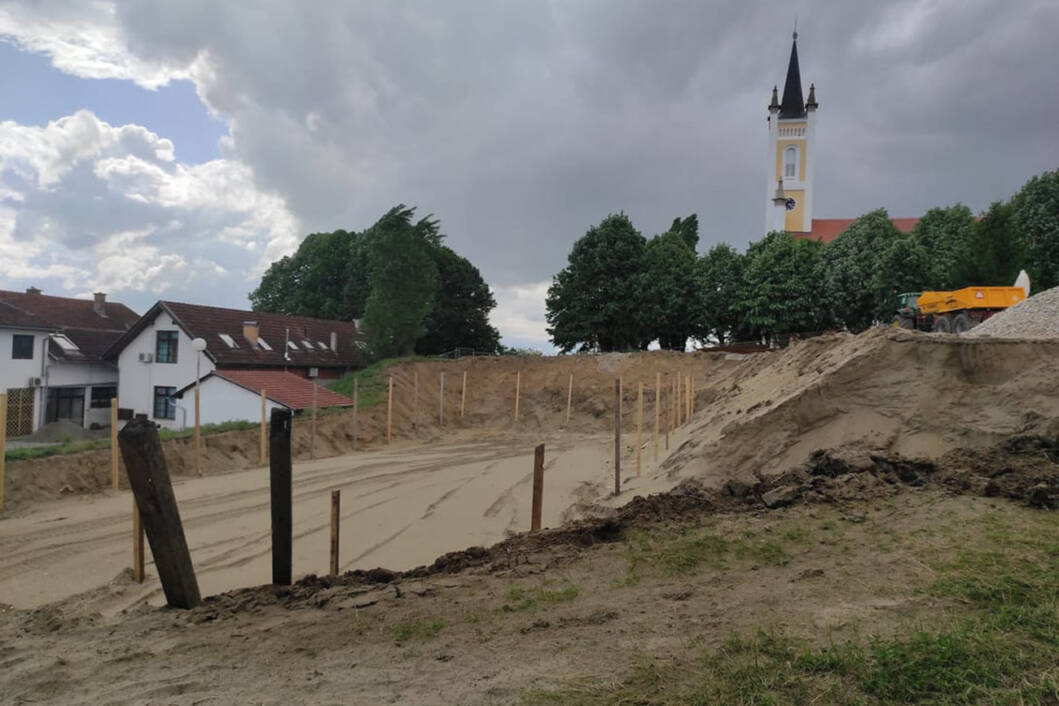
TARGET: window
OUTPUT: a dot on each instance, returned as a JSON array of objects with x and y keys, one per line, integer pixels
[
  {"x": 321, "y": 345},
  {"x": 261, "y": 342},
  {"x": 166, "y": 347},
  {"x": 292, "y": 345},
  {"x": 307, "y": 344},
  {"x": 790, "y": 163},
  {"x": 66, "y": 403},
  {"x": 22, "y": 346},
  {"x": 101, "y": 396},
  {"x": 164, "y": 405},
  {"x": 228, "y": 340}
]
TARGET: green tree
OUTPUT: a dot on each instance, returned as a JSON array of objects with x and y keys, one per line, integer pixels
[
  {"x": 850, "y": 269},
  {"x": 720, "y": 284},
  {"x": 782, "y": 293},
  {"x": 687, "y": 229},
  {"x": 998, "y": 249},
  {"x": 312, "y": 282},
  {"x": 404, "y": 282},
  {"x": 669, "y": 290},
  {"x": 594, "y": 302},
  {"x": 902, "y": 267},
  {"x": 947, "y": 235},
  {"x": 1035, "y": 217},
  {"x": 460, "y": 317}
]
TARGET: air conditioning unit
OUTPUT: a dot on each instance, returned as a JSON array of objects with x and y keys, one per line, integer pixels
[
  {"x": 146, "y": 357},
  {"x": 34, "y": 382}
]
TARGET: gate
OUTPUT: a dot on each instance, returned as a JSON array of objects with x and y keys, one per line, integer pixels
[{"x": 20, "y": 411}]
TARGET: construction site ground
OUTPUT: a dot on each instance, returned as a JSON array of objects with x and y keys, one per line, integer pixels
[{"x": 856, "y": 519}]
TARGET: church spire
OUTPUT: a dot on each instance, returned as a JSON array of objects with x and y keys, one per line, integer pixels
[{"x": 793, "y": 106}]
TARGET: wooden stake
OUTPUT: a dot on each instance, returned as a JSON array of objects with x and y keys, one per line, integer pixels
[
  {"x": 113, "y": 442},
  {"x": 463, "y": 394},
  {"x": 263, "y": 440},
  {"x": 356, "y": 406},
  {"x": 617, "y": 437},
  {"x": 687, "y": 390},
  {"x": 669, "y": 416},
  {"x": 518, "y": 389},
  {"x": 569, "y": 397},
  {"x": 389, "y": 411},
  {"x": 3, "y": 444},
  {"x": 198, "y": 435},
  {"x": 280, "y": 489},
  {"x": 639, "y": 429},
  {"x": 149, "y": 479},
  {"x": 415, "y": 400},
  {"x": 137, "y": 545},
  {"x": 658, "y": 392},
  {"x": 621, "y": 397},
  {"x": 312, "y": 426},
  {"x": 693, "y": 394},
  {"x": 538, "y": 487},
  {"x": 336, "y": 503},
  {"x": 441, "y": 402}
]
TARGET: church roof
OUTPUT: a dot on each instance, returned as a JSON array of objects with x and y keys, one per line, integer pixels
[
  {"x": 827, "y": 229},
  {"x": 793, "y": 105}
]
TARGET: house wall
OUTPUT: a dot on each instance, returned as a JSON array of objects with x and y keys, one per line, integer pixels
[
  {"x": 87, "y": 376},
  {"x": 137, "y": 380},
  {"x": 16, "y": 373},
  {"x": 222, "y": 401}
]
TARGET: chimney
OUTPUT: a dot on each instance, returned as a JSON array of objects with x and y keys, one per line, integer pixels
[
  {"x": 251, "y": 331},
  {"x": 100, "y": 304},
  {"x": 334, "y": 342},
  {"x": 32, "y": 290}
]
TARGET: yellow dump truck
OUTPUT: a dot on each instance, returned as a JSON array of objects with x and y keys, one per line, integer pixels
[{"x": 956, "y": 311}]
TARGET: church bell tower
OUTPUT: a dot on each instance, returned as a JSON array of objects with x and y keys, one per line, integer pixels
[{"x": 791, "y": 154}]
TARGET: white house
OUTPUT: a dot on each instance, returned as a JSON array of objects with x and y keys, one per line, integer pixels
[
  {"x": 52, "y": 351},
  {"x": 226, "y": 395},
  {"x": 156, "y": 358}
]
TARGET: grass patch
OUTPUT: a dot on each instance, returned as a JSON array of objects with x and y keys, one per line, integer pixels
[
  {"x": 372, "y": 381},
  {"x": 993, "y": 639},
  {"x": 687, "y": 552},
  {"x": 418, "y": 630},
  {"x": 520, "y": 599}
]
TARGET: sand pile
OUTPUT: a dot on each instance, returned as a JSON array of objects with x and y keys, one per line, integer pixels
[
  {"x": 893, "y": 392},
  {"x": 1035, "y": 317}
]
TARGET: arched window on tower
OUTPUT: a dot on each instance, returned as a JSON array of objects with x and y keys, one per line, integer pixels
[{"x": 790, "y": 162}]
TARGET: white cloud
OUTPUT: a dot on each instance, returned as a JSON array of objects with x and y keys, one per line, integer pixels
[
  {"x": 86, "y": 203},
  {"x": 519, "y": 312}
]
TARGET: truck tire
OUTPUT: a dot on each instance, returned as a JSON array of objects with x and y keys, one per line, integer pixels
[
  {"x": 903, "y": 322},
  {"x": 942, "y": 324},
  {"x": 962, "y": 323}
]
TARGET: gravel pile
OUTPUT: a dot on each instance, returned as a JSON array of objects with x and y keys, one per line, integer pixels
[{"x": 1036, "y": 317}]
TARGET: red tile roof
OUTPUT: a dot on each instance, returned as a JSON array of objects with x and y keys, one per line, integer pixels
[
  {"x": 208, "y": 322},
  {"x": 827, "y": 229},
  {"x": 286, "y": 388}
]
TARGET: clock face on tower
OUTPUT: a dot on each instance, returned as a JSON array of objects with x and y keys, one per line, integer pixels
[{"x": 791, "y": 203}]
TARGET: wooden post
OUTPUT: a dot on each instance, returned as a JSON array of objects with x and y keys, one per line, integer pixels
[
  {"x": 3, "y": 444},
  {"x": 113, "y": 441},
  {"x": 336, "y": 504},
  {"x": 356, "y": 405},
  {"x": 280, "y": 488},
  {"x": 687, "y": 392},
  {"x": 463, "y": 394},
  {"x": 621, "y": 397},
  {"x": 137, "y": 545},
  {"x": 198, "y": 435},
  {"x": 415, "y": 399},
  {"x": 389, "y": 410},
  {"x": 668, "y": 419},
  {"x": 263, "y": 436},
  {"x": 569, "y": 396},
  {"x": 312, "y": 425},
  {"x": 617, "y": 437},
  {"x": 518, "y": 389},
  {"x": 441, "y": 402},
  {"x": 153, "y": 490},
  {"x": 538, "y": 487},
  {"x": 639, "y": 429},
  {"x": 693, "y": 394},
  {"x": 678, "y": 401},
  {"x": 658, "y": 392}
]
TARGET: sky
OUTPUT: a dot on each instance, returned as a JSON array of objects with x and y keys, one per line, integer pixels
[{"x": 173, "y": 149}]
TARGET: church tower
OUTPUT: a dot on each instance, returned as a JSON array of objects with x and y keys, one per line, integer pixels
[{"x": 791, "y": 154}]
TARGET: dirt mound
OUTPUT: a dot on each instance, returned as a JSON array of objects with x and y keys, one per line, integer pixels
[
  {"x": 1034, "y": 317},
  {"x": 886, "y": 392}
]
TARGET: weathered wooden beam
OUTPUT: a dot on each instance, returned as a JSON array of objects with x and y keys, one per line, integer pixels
[
  {"x": 153, "y": 490},
  {"x": 280, "y": 487},
  {"x": 538, "y": 487}
]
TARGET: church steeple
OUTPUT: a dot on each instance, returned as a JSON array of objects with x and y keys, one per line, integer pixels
[{"x": 793, "y": 106}]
